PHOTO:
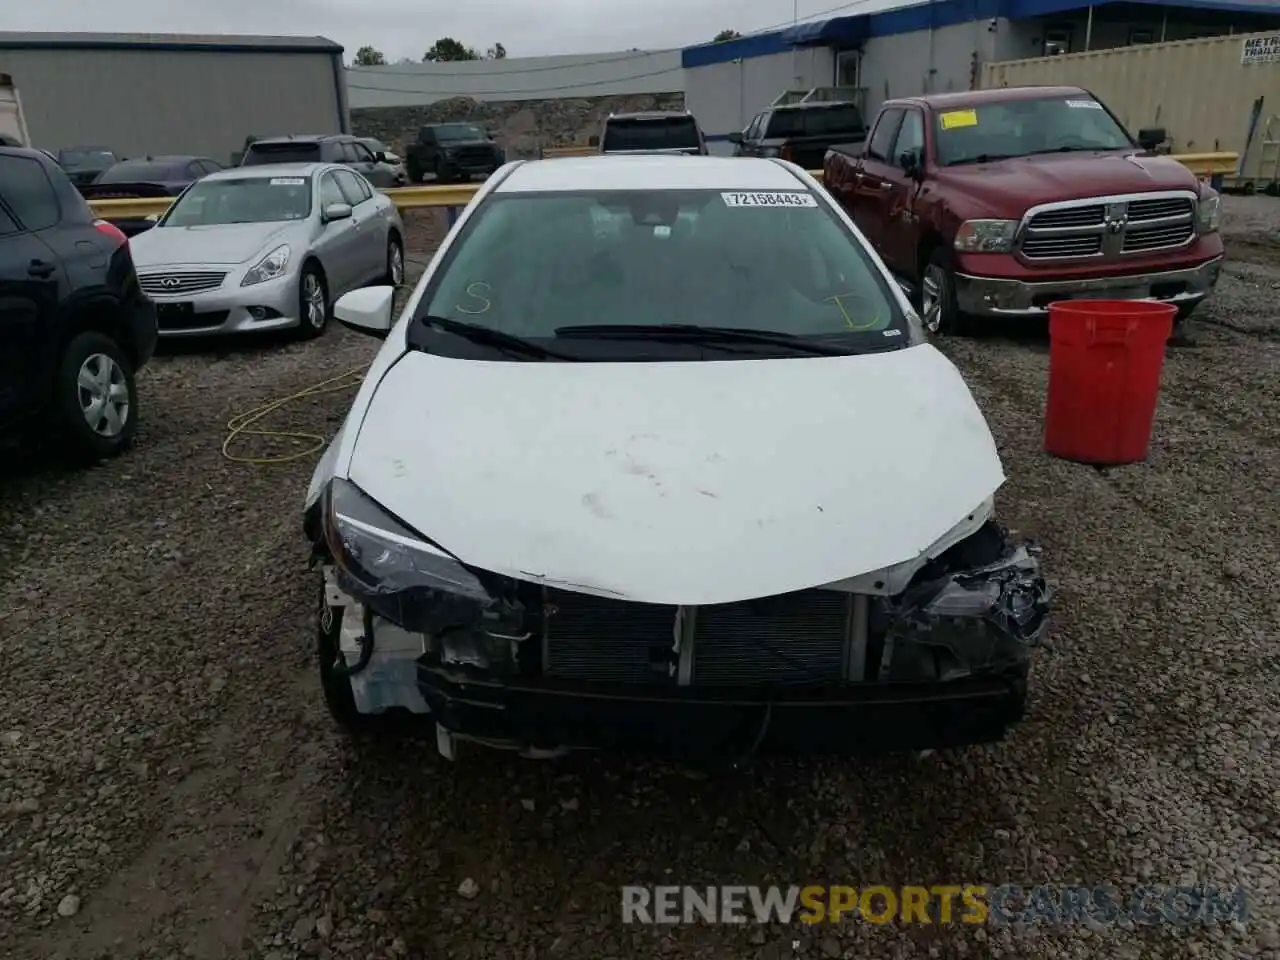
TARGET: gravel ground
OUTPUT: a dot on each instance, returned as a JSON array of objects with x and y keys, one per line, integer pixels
[{"x": 171, "y": 786}]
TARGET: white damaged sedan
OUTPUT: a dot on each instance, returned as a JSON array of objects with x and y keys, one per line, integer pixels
[{"x": 657, "y": 457}]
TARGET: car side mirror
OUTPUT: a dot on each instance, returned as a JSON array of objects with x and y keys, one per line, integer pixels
[
  {"x": 909, "y": 161},
  {"x": 1151, "y": 137},
  {"x": 337, "y": 211},
  {"x": 380, "y": 157},
  {"x": 593, "y": 141},
  {"x": 367, "y": 310},
  {"x": 735, "y": 137}
]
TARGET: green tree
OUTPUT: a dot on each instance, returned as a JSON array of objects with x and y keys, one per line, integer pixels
[
  {"x": 369, "y": 57},
  {"x": 496, "y": 52},
  {"x": 448, "y": 49},
  {"x": 724, "y": 35}
]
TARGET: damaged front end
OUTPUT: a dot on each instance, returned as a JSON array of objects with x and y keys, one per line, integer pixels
[{"x": 525, "y": 666}]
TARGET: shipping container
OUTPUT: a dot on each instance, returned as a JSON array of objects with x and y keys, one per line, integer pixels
[
  {"x": 13, "y": 126},
  {"x": 1215, "y": 94}
]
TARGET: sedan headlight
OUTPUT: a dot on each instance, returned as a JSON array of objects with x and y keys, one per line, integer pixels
[
  {"x": 986, "y": 236},
  {"x": 1208, "y": 212},
  {"x": 395, "y": 572},
  {"x": 269, "y": 267}
]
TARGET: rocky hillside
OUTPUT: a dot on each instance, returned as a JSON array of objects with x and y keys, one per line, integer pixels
[{"x": 521, "y": 126}]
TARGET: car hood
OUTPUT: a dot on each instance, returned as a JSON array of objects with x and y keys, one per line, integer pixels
[
  {"x": 453, "y": 144},
  {"x": 1009, "y": 187},
  {"x": 225, "y": 243},
  {"x": 679, "y": 483}
]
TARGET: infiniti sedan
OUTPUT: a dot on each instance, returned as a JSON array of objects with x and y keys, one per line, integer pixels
[
  {"x": 267, "y": 248},
  {"x": 658, "y": 457}
]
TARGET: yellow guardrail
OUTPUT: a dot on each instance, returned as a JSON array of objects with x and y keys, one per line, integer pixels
[
  {"x": 460, "y": 194},
  {"x": 576, "y": 151}
]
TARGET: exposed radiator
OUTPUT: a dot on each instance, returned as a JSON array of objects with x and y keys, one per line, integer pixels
[{"x": 804, "y": 637}]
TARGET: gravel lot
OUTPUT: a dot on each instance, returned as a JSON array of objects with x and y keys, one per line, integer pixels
[{"x": 171, "y": 786}]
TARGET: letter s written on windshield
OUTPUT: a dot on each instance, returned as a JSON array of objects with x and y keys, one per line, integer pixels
[{"x": 477, "y": 290}]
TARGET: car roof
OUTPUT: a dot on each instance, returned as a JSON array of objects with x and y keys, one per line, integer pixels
[
  {"x": 652, "y": 115},
  {"x": 975, "y": 98},
  {"x": 649, "y": 172},
  {"x": 165, "y": 158},
  {"x": 813, "y": 105},
  {"x": 273, "y": 170},
  {"x": 303, "y": 138}
]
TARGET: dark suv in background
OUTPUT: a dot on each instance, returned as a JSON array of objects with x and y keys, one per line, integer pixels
[
  {"x": 322, "y": 148},
  {"x": 800, "y": 132},
  {"x": 74, "y": 324},
  {"x": 655, "y": 132}
]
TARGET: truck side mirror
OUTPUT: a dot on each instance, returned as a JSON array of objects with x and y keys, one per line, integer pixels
[
  {"x": 735, "y": 137},
  {"x": 909, "y": 160},
  {"x": 593, "y": 141},
  {"x": 1151, "y": 137}
]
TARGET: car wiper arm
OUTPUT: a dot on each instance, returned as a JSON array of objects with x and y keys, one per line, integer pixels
[
  {"x": 478, "y": 333},
  {"x": 695, "y": 333}
]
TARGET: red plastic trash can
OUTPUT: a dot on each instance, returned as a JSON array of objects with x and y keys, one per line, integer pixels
[{"x": 1105, "y": 359}]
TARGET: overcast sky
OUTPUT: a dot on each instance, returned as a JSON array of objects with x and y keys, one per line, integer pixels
[{"x": 402, "y": 28}]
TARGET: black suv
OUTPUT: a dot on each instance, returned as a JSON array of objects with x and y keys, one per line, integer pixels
[
  {"x": 74, "y": 324},
  {"x": 322, "y": 148},
  {"x": 655, "y": 132}
]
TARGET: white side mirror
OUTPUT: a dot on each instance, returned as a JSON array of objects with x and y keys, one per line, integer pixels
[{"x": 367, "y": 310}]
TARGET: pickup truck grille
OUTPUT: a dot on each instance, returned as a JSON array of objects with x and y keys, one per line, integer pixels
[
  {"x": 1109, "y": 227},
  {"x": 795, "y": 638}
]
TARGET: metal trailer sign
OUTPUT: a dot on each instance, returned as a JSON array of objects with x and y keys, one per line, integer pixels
[{"x": 1261, "y": 49}]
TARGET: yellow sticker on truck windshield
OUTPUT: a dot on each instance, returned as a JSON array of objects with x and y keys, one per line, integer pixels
[{"x": 959, "y": 118}]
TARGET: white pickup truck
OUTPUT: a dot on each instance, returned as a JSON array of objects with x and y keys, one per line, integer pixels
[{"x": 13, "y": 126}]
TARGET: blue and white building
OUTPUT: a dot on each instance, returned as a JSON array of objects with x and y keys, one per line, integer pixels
[{"x": 894, "y": 48}]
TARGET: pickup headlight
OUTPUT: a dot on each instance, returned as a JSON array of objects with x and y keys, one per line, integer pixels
[
  {"x": 269, "y": 267},
  {"x": 986, "y": 236},
  {"x": 1208, "y": 212}
]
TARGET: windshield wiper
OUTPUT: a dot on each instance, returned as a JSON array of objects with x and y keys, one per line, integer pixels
[
  {"x": 488, "y": 336},
  {"x": 694, "y": 333},
  {"x": 1034, "y": 153},
  {"x": 985, "y": 158}
]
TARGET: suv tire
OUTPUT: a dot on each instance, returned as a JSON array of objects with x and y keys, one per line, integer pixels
[{"x": 96, "y": 399}]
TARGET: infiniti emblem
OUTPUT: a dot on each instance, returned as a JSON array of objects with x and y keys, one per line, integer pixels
[{"x": 170, "y": 282}]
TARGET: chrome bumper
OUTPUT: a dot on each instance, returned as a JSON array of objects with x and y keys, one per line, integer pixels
[{"x": 993, "y": 297}]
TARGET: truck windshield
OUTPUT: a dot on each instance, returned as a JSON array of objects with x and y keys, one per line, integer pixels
[
  {"x": 815, "y": 122},
  {"x": 459, "y": 131},
  {"x": 657, "y": 133},
  {"x": 1020, "y": 128},
  {"x": 771, "y": 262}
]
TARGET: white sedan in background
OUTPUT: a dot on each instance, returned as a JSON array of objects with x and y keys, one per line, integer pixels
[
  {"x": 267, "y": 247},
  {"x": 658, "y": 457}
]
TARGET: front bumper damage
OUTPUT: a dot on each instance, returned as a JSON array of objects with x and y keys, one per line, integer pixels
[{"x": 944, "y": 663}]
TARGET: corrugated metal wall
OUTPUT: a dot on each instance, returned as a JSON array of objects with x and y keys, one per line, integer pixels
[
  {"x": 517, "y": 78},
  {"x": 725, "y": 96},
  {"x": 142, "y": 101},
  {"x": 1198, "y": 90},
  {"x": 925, "y": 61}
]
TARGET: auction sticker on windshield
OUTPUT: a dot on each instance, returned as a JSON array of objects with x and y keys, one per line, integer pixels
[
  {"x": 959, "y": 118},
  {"x": 287, "y": 181},
  {"x": 769, "y": 199},
  {"x": 1084, "y": 104}
]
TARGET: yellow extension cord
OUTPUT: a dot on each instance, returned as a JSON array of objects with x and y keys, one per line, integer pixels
[{"x": 241, "y": 424}]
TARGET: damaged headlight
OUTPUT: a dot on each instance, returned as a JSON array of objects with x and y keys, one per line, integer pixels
[
  {"x": 982, "y": 620},
  {"x": 394, "y": 570}
]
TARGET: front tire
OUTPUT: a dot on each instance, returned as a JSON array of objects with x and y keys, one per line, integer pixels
[
  {"x": 442, "y": 171},
  {"x": 313, "y": 303},
  {"x": 395, "y": 262},
  {"x": 97, "y": 400},
  {"x": 939, "y": 310}
]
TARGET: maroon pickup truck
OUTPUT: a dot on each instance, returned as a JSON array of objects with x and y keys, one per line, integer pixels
[{"x": 995, "y": 203}]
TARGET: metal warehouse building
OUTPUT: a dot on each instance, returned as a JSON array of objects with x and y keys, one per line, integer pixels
[
  {"x": 173, "y": 94},
  {"x": 893, "y": 48}
]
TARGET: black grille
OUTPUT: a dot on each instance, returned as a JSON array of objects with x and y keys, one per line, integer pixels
[
  {"x": 792, "y": 638},
  {"x": 190, "y": 321},
  {"x": 1163, "y": 207},
  {"x": 1138, "y": 239},
  {"x": 1069, "y": 217},
  {"x": 1064, "y": 246},
  {"x": 180, "y": 282}
]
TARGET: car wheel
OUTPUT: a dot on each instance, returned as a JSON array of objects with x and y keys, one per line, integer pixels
[
  {"x": 395, "y": 262},
  {"x": 442, "y": 171},
  {"x": 313, "y": 303},
  {"x": 97, "y": 400},
  {"x": 938, "y": 310}
]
